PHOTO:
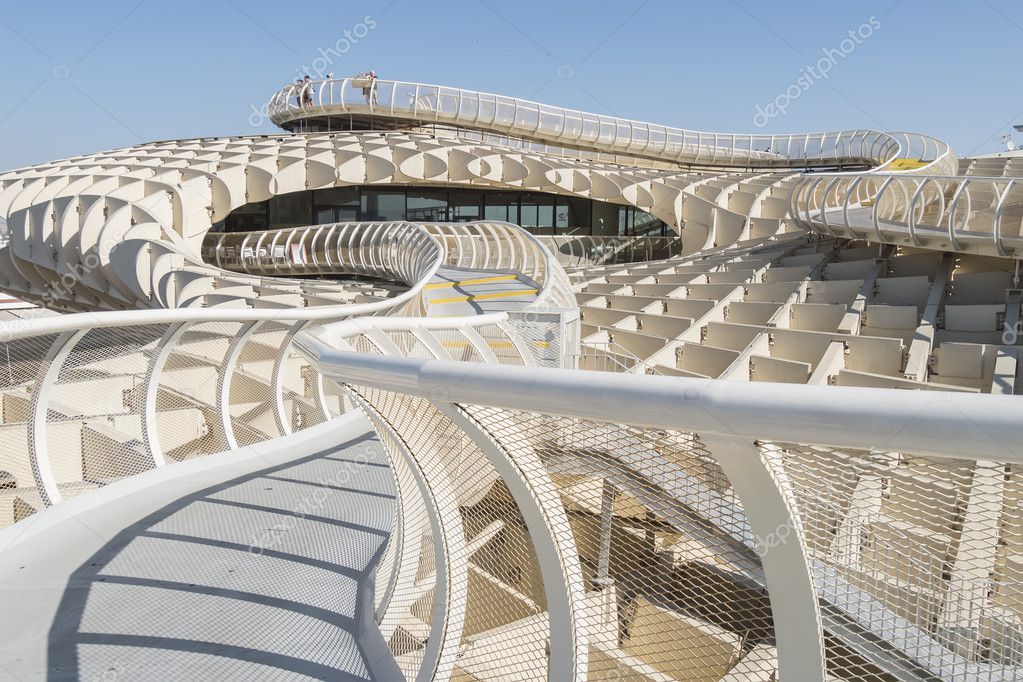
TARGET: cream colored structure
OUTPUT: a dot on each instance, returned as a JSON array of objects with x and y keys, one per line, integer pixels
[{"x": 784, "y": 443}]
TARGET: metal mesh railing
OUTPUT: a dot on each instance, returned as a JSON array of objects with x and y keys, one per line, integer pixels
[
  {"x": 917, "y": 553},
  {"x": 963, "y": 213},
  {"x": 701, "y": 553},
  {"x": 435, "y": 104}
]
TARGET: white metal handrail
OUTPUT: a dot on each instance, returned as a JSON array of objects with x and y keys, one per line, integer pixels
[
  {"x": 408, "y": 252},
  {"x": 404, "y": 252},
  {"x": 733, "y": 420},
  {"x": 931, "y": 423},
  {"x": 968, "y": 213},
  {"x": 424, "y": 103}
]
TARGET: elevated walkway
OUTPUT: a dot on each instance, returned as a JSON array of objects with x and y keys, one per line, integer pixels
[
  {"x": 456, "y": 292},
  {"x": 258, "y": 564}
]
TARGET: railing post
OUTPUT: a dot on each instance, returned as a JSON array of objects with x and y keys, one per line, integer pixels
[
  {"x": 277, "y": 378},
  {"x": 797, "y": 620},
  {"x": 38, "y": 441},
  {"x": 226, "y": 373},
  {"x": 553, "y": 541},
  {"x": 150, "y": 432}
]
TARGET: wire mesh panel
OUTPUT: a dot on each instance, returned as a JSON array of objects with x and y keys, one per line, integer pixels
[
  {"x": 916, "y": 562},
  {"x": 94, "y": 408},
  {"x": 20, "y": 362},
  {"x": 495, "y": 623},
  {"x": 675, "y": 589},
  {"x": 188, "y": 418},
  {"x": 252, "y": 397}
]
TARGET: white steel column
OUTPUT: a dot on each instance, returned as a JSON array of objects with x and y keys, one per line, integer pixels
[
  {"x": 797, "y": 620},
  {"x": 150, "y": 433},
  {"x": 553, "y": 541},
  {"x": 38, "y": 443}
]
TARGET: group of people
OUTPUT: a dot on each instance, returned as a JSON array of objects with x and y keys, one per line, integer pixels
[{"x": 364, "y": 80}]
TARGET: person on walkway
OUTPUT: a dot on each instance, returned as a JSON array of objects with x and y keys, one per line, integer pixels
[
  {"x": 368, "y": 91},
  {"x": 307, "y": 91}
]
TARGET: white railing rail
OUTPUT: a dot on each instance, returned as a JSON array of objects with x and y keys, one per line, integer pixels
[
  {"x": 241, "y": 355},
  {"x": 424, "y": 103},
  {"x": 498, "y": 245},
  {"x": 745, "y": 428},
  {"x": 971, "y": 214},
  {"x": 411, "y": 253},
  {"x": 925, "y": 423}
]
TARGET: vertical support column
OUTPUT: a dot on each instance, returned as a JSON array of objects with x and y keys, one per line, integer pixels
[
  {"x": 923, "y": 342},
  {"x": 966, "y": 599},
  {"x": 607, "y": 501},
  {"x": 797, "y": 621},
  {"x": 451, "y": 584},
  {"x": 277, "y": 378}
]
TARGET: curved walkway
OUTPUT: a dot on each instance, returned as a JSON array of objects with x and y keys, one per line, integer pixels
[{"x": 254, "y": 565}]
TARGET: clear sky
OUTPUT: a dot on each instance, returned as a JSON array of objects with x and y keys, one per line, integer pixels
[{"x": 80, "y": 77}]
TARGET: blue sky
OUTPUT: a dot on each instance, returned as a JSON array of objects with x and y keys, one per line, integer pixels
[{"x": 79, "y": 77}]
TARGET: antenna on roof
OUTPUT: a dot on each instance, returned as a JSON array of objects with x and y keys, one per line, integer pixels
[{"x": 1010, "y": 144}]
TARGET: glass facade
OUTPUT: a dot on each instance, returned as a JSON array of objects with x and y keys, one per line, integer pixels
[{"x": 539, "y": 213}]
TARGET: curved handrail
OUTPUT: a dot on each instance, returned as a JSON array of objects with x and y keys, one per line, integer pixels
[
  {"x": 728, "y": 418},
  {"x": 965, "y": 213},
  {"x": 477, "y": 245},
  {"x": 932, "y": 424},
  {"x": 16, "y": 329},
  {"x": 432, "y": 104}
]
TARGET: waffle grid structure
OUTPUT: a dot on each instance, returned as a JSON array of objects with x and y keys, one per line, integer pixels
[{"x": 782, "y": 443}]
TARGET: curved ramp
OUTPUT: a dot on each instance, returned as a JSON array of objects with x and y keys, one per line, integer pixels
[{"x": 254, "y": 565}]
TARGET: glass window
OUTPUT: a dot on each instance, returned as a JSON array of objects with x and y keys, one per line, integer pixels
[
  {"x": 561, "y": 214},
  {"x": 605, "y": 218},
  {"x": 545, "y": 213},
  {"x": 501, "y": 206},
  {"x": 248, "y": 218},
  {"x": 336, "y": 204},
  {"x": 291, "y": 210},
  {"x": 466, "y": 205},
  {"x": 572, "y": 215},
  {"x": 530, "y": 211},
  {"x": 337, "y": 214},
  {"x": 383, "y": 205},
  {"x": 336, "y": 196},
  {"x": 427, "y": 205},
  {"x": 495, "y": 211},
  {"x": 644, "y": 224}
]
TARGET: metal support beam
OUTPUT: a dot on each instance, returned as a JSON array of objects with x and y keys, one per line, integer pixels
[{"x": 762, "y": 491}]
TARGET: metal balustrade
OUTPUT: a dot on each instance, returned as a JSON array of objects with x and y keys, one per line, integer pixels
[
  {"x": 602, "y": 525},
  {"x": 969, "y": 214},
  {"x": 400, "y": 101},
  {"x": 579, "y": 251},
  {"x": 166, "y": 385},
  {"x": 561, "y": 515},
  {"x": 410, "y": 253}
]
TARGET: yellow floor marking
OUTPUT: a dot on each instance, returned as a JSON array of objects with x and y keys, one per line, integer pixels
[
  {"x": 484, "y": 297},
  {"x": 906, "y": 164},
  {"x": 470, "y": 282},
  {"x": 493, "y": 344}
]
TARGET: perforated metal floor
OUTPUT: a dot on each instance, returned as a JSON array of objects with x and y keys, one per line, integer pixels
[{"x": 265, "y": 576}]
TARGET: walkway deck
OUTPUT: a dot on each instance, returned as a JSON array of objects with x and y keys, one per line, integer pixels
[
  {"x": 457, "y": 292},
  {"x": 257, "y": 564}
]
